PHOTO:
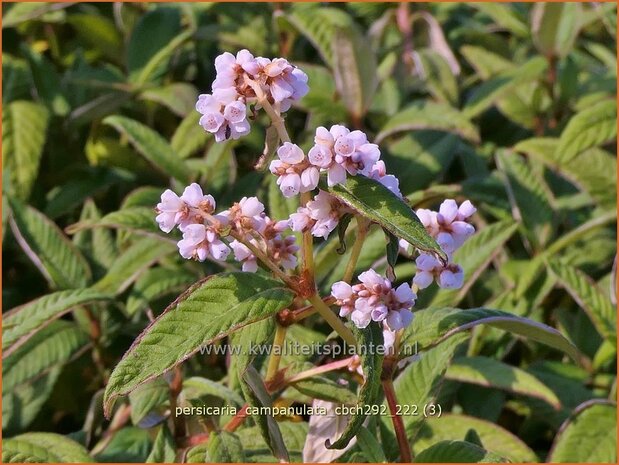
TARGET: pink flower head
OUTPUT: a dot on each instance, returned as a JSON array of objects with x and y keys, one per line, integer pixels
[
  {"x": 224, "y": 114},
  {"x": 429, "y": 268},
  {"x": 295, "y": 174},
  {"x": 325, "y": 211},
  {"x": 449, "y": 225},
  {"x": 190, "y": 208},
  {"x": 245, "y": 216},
  {"x": 374, "y": 299},
  {"x": 200, "y": 242}
]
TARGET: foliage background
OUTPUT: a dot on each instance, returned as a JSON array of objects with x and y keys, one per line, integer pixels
[{"x": 509, "y": 105}]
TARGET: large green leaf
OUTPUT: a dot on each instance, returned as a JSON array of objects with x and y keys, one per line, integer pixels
[
  {"x": 590, "y": 127},
  {"x": 43, "y": 448},
  {"x": 178, "y": 97},
  {"x": 419, "y": 383},
  {"x": 370, "y": 337},
  {"x": 451, "y": 427},
  {"x": 189, "y": 136},
  {"x": 53, "y": 345},
  {"x": 47, "y": 81},
  {"x": 588, "y": 436},
  {"x": 51, "y": 252},
  {"x": 136, "y": 219},
  {"x": 379, "y": 204},
  {"x": 505, "y": 16},
  {"x": 589, "y": 297},
  {"x": 224, "y": 447},
  {"x": 24, "y": 125},
  {"x": 488, "y": 372},
  {"x": 433, "y": 325},
  {"x": 156, "y": 283},
  {"x": 428, "y": 115},
  {"x": 354, "y": 69},
  {"x": 19, "y": 324},
  {"x": 206, "y": 312},
  {"x": 164, "y": 447},
  {"x": 457, "y": 452},
  {"x": 555, "y": 27},
  {"x": 151, "y": 146}
]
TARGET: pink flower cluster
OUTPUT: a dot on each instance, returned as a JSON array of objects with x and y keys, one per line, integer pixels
[
  {"x": 320, "y": 215},
  {"x": 295, "y": 172},
  {"x": 450, "y": 227},
  {"x": 374, "y": 299},
  {"x": 203, "y": 230},
  {"x": 224, "y": 112}
]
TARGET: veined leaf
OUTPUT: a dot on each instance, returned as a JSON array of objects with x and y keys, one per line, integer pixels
[
  {"x": 257, "y": 395},
  {"x": 428, "y": 115},
  {"x": 590, "y": 127},
  {"x": 379, "y": 204},
  {"x": 164, "y": 447},
  {"x": 321, "y": 387},
  {"x": 224, "y": 447},
  {"x": 147, "y": 398},
  {"x": 53, "y": 345},
  {"x": 255, "y": 335},
  {"x": 370, "y": 447},
  {"x": 189, "y": 136},
  {"x": 151, "y": 145},
  {"x": 451, "y": 427},
  {"x": 457, "y": 452},
  {"x": 178, "y": 97},
  {"x": 20, "y": 323},
  {"x": 51, "y": 252},
  {"x": 135, "y": 219},
  {"x": 196, "y": 387},
  {"x": 47, "y": 81},
  {"x": 43, "y": 448},
  {"x": 589, "y": 297},
  {"x": 555, "y": 27},
  {"x": 155, "y": 283},
  {"x": 504, "y": 16},
  {"x": 132, "y": 262},
  {"x": 206, "y": 312},
  {"x": 487, "y": 93},
  {"x": 488, "y": 372},
  {"x": 371, "y": 363},
  {"x": 24, "y": 125},
  {"x": 530, "y": 196},
  {"x": 588, "y": 436},
  {"x": 433, "y": 325},
  {"x": 419, "y": 383},
  {"x": 21, "y": 12},
  {"x": 354, "y": 69}
]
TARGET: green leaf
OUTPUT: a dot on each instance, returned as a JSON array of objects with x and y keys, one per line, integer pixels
[
  {"x": 164, "y": 448},
  {"x": 370, "y": 447},
  {"x": 457, "y": 452},
  {"x": 588, "y": 436},
  {"x": 589, "y": 297},
  {"x": 43, "y": 448},
  {"x": 189, "y": 136},
  {"x": 21, "y": 12},
  {"x": 530, "y": 195},
  {"x": 594, "y": 170},
  {"x": 254, "y": 335},
  {"x": 418, "y": 384},
  {"x": 451, "y": 427},
  {"x": 178, "y": 97},
  {"x": 24, "y": 126},
  {"x": 433, "y": 325},
  {"x": 151, "y": 145},
  {"x": 495, "y": 88},
  {"x": 320, "y": 387},
  {"x": 224, "y": 447},
  {"x": 370, "y": 337},
  {"x": 46, "y": 246},
  {"x": 505, "y": 16},
  {"x": 47, "y": 82},
  {"x": 154, "y": 32},
  {"x": 206, "y": 312},
  {"x": 148, "y": 397},
  {"x": 257, "y": 395},
  {"x": 555, "y": 26},
  {"x": 488, "y": 372},
  {"x": 591, "y": 127},
  {"x": 196, "y": 387},
  {"x": 135, "y": 219},
  {"x": 20, "y": 323},
  {"x": 256, "y": 450},
  {"x": 156, "y": 283},
  {"x": 354, "y": 69},
  {"x": 438, "y": 77},
  {"x": 379, "y": 204},
  {"x": 128, "y": 444},
  {"x": 132, "y": 263},
  {"x": 429, "y": 115},
  {"x": 53, "y": 345},
  {"x": 98, "y": 32}
]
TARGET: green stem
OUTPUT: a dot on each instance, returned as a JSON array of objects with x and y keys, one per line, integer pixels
[
  {"x": 362, "y": 232},
  {"x": 333, "y": 320},
  {"x": 276, "y": 354}
]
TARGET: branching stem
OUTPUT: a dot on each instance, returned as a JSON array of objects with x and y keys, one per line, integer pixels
[{"x": 362, "y": 231}]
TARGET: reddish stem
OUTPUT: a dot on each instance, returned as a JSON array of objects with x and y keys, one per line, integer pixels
[{"x": 405, "y": 451}]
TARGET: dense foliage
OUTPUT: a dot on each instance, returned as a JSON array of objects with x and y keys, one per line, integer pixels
[{"x": 512, "y": 106}]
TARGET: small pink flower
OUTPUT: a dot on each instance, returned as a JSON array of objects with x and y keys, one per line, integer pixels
[
  {"x": 429, "y": 268},
  {"x": 199, "y": 243},
  {"x": 170, "y": 211}
]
